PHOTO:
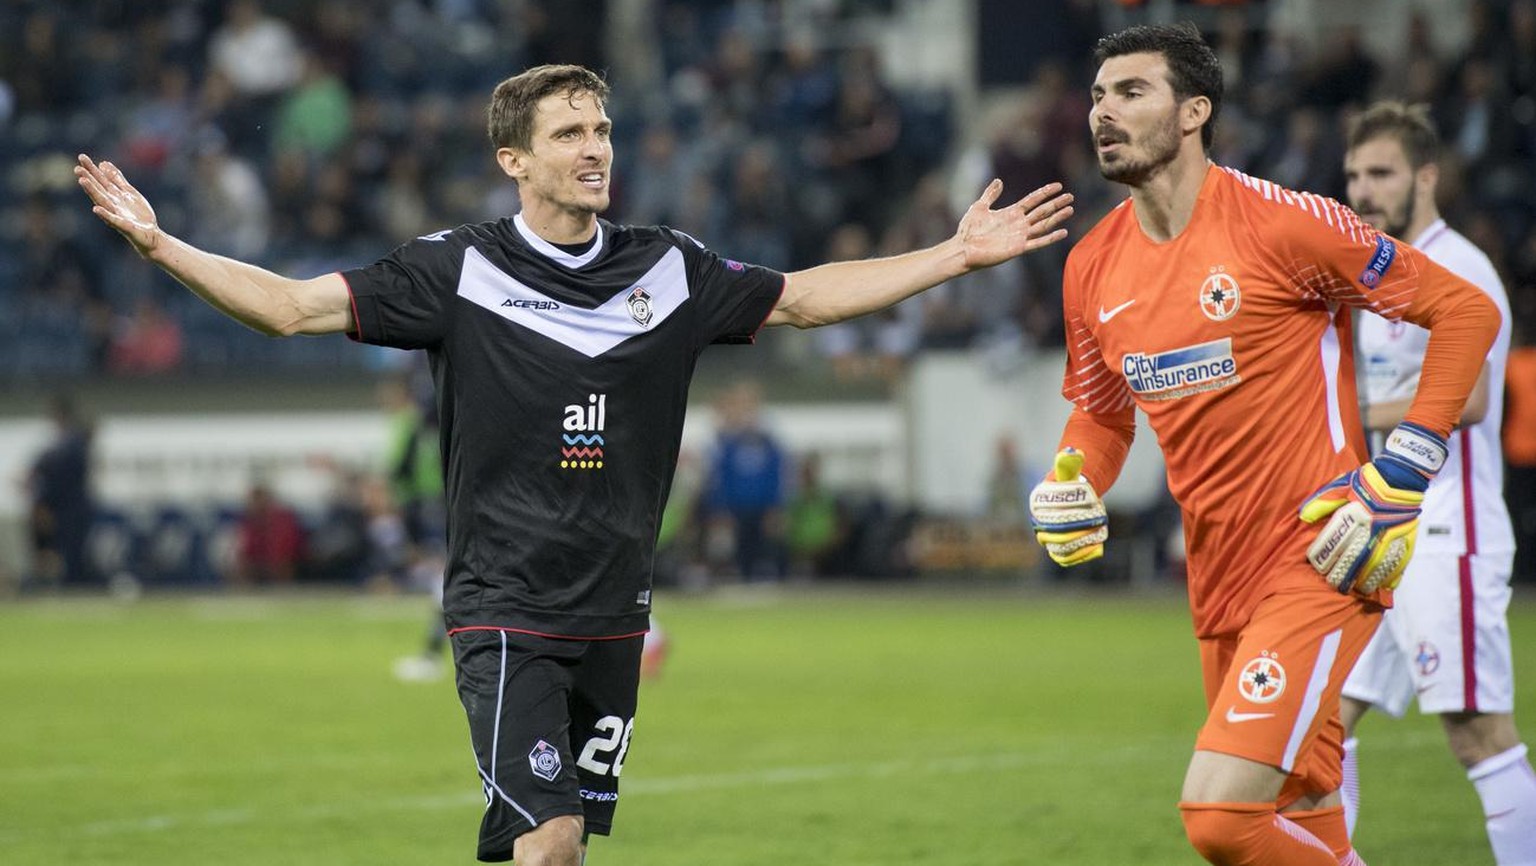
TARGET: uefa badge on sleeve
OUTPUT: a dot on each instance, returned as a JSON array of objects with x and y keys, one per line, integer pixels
[
  {"x": 544, "y": 761},
  {"x": 640, "y": 306}
]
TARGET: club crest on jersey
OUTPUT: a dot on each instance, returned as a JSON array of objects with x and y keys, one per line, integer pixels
[
  {"x": 544, "y": 761},
  {"x": 1262, "y": 680},
  {"x": 1219, "y": 295},
  {"x": 1181, "y": 372},
  {"x": 640, "y": 306},
  {"x": 582, "y": 442}
]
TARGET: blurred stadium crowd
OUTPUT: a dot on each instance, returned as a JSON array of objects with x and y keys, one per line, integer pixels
[
  {"x": 312, "y": 135},
  {"x": 309, "y": 136}
]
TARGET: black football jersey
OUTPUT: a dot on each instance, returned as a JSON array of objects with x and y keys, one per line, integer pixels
[{"x": 562, "y": 380}]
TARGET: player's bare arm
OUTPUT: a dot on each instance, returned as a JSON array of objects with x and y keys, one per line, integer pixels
[
  {"x": 986, "y": 237},
  {"x": 255, "y": 297},
  {"x": 1387, "y": 414}
]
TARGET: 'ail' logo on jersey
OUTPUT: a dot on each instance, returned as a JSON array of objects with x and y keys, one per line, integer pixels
[
  {"x": 582, "y": 440},
  {"x": 640, "y": 306},
  {"x": 1181, "y": 372},
  {"x": 1219, "y": 295},
  {"x": 1262, "y": 680}
]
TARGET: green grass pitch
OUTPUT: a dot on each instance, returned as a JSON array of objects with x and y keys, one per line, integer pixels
[{"x": 898, "y": 725}]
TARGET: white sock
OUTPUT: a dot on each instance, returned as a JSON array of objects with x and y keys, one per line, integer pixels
[
  {"x": 1349, "y": 790},
  {"x": 1507, "y": 786}
]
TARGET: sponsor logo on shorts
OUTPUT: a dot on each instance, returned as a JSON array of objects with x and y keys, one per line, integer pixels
[
  {"x": 1427, "y": 658},
  {"x": 1181, "y": 372},
  {"x": 544, "y": 761},
  {"x": 1262, "y": 680},
  {"x": 600, "y": 796}
]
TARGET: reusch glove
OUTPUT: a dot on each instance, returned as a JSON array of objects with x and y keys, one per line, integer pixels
[
  {"x": 1373, "y": 513},
  {"x": 1066, "y": 513}
]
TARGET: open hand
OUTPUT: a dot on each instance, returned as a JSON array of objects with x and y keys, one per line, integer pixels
[
  {"x": 118, "y": 204},
  {"x": 992, "y": 237}
]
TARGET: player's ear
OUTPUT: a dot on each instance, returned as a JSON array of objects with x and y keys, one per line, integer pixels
[
  {"x": 1426, "y": 177},
  {"x": 513, "y": 162},
  {"x": 1196, "y": 111}
]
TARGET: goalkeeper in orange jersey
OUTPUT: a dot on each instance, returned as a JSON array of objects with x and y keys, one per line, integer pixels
[{"x": 1220, "y": 305}]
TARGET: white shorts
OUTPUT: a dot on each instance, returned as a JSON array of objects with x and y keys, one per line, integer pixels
[{"x": 1445, "y": 640}]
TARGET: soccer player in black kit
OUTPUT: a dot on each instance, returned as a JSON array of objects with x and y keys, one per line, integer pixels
[{"x": 562, "y": 346}]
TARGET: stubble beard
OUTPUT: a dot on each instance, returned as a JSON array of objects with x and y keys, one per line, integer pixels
[{"x": 1161, "y": 148}]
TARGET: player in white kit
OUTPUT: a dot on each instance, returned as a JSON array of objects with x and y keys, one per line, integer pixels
[{"x": 1447, "y": 640}]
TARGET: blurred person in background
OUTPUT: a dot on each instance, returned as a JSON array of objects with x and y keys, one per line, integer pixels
[
  {"x": 814, "y": 523},
  {"x": 1211, "y": 301},
  {"x": 62, "y": 505},
  {"x": 562, "y": 346},
  {"x": 745, "y": 489},
  {"x": 414, "y": 470},
  {"x": 271, "y": 541},
  {"x": 146, "y": 342},
  {"x": 1520, "y": 450},
  {"x": 1446, "y": 638}
]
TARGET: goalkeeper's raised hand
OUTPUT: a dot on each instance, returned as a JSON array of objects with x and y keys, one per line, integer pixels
[
  {"x": 1066, "y": 513},
  {"x": 1373, "y": 513}
]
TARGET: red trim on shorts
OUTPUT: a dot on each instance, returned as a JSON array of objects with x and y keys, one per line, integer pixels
[
  {"x": 547, "y": 634},
  {"x": 357, "y": 321},
  {"x": 1468, "y": 609}
]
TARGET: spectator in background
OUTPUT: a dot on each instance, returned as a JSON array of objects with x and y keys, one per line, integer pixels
[
  {"x": 1008, "y": 485},
  {"x": 1520, "y": 451},
  {"x": 745, "y": 490},
  {"x": 228, "y": 211},
  {"x": 878, "y": 346},
  {"x": 60, "y": 280},
  {"x": 62, "y": 507},
  {"x": 413, "y": 469},
  {"x": 146, "y": 342},
  {"x": 856, "y": 152},
  {"x": 259, "y": 59},
  {"x": 271, "y": 541},
  {"x": 814, "y": 524},
  {"x": 315, "y": 117}
]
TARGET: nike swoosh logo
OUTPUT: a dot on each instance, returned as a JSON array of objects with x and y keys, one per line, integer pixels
[
  {"x": 1233, "y": 716},
  {"x": 1106, "y": 315}
]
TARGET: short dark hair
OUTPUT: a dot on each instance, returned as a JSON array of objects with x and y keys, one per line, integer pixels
[
  {"x": 1193, "y": 69},
  {"x": 1409, "y": 124},
  {"x": 509, "y": 117}
]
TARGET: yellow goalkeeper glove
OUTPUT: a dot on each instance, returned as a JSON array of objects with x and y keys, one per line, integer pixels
[
  {"x": 1373, "y": 513},
  {"x": 1066, "y": 513}
]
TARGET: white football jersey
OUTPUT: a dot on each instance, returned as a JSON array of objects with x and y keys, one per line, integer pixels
[{"x": 1390, "y": 355}]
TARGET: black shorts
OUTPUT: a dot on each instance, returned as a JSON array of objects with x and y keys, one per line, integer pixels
[{"x": 550, "y": 722}]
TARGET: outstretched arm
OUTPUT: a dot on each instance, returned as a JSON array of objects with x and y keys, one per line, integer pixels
[
  {"x": 986, "y": 237},
  {"x": 255, "y": 297}
]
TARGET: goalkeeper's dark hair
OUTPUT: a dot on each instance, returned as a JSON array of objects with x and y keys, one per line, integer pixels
[
  {"x": 509, "y": 117},
  {"x": 1193, "y": 68},
  {"x": 1409, "y": 125}
]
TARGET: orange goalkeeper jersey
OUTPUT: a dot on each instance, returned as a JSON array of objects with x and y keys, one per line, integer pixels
[{"x": 1234, "y": 339}]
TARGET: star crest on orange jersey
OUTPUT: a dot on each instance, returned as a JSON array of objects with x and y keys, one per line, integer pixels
[{"x": 1219, "y": 295}]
